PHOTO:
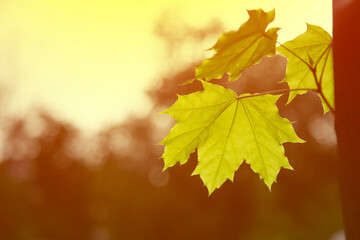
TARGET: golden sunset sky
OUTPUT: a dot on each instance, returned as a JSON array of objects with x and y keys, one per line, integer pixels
[{"x": 89, "y": 62}]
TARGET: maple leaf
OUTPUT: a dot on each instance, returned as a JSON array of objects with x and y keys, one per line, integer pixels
[
  {"x": 237, "y": 50},
  {"x": 310, "y": 64},
  {"x": 228, "y": 129}
]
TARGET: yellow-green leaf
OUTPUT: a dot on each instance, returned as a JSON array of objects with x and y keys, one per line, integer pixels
[
  {"x": 310, "y": 64},
  {"x": 237, "y": 50},
  {"x": 227, "y": 129}
]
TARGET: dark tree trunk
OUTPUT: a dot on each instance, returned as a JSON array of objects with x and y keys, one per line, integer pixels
[{"x": 347, "y": 103}]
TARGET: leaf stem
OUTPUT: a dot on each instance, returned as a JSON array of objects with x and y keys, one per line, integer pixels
[
  {"x": 293, "y": 53},
  {"x": 326, "y": 102},
  {"x": 282, "y": 45},
  {"x": 328, "y": 49},
  {"x": 278, "y": 91},
  {"x": 318, "y": 82}
]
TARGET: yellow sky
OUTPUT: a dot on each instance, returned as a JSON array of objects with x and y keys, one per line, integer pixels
[{"x": 88, "y": 62}]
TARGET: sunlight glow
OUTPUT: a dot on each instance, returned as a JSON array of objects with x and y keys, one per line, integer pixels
[{"x": 88, "y": 61}]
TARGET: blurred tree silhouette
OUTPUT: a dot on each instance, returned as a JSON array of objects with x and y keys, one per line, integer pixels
[{"x": 49, "y": 192}]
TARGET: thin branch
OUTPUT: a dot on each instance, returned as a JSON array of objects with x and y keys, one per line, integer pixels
[
  {"x": 326, "y": 102},
  {"x": 328, "y": 49},
  {"x": 279, "y": 91},
  {"x": 293, "y": 53},
  {"x": 282, "y": 45},
  {"x": 319, "y": 90}
]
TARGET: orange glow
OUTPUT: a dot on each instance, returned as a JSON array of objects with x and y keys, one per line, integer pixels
[{"x": 89, "y": 62}]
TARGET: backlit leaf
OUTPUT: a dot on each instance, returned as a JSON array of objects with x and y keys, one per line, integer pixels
[
  {"x": 227, "y": 129},
  {"x": 237, "y": 50},
  {"x": 309, "y": 55}
]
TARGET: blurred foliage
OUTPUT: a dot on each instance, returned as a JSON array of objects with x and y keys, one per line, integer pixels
[{"x": 56, "y": 185}]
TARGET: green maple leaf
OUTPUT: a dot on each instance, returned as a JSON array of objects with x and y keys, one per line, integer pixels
[
  {"x": 310, "y": 64},
  {"x": 237, "y": 50},
  {"x": 227, "y": 129}
]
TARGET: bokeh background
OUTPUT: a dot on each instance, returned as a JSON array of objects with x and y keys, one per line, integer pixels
[{"x": 81, "y": 84}]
